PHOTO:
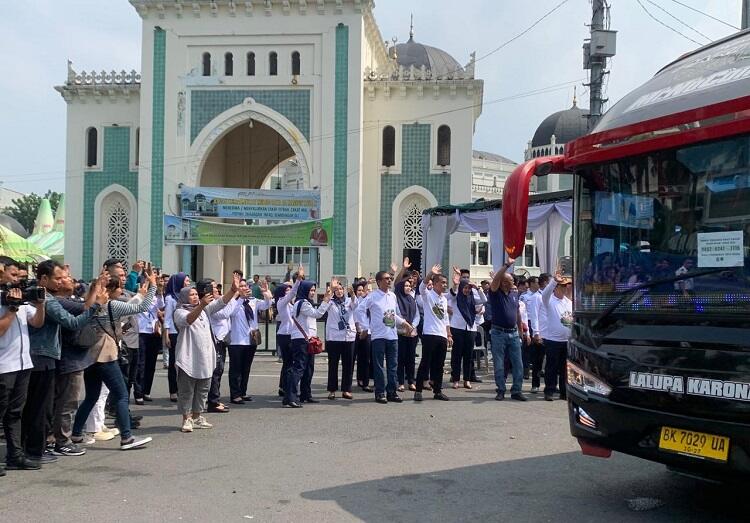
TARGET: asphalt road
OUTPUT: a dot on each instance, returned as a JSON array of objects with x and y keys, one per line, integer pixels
[{"x": 470, "y": 459}]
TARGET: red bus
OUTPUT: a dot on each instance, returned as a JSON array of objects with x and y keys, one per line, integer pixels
[{"x": 659, "y": 355}]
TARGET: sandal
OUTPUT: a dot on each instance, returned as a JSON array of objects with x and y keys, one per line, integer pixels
[
  {"x": 455, "y": 384},
  {"x": 401, "y": 388},
  {"x": 467, "y": 385},
  {"x": 412, "y": 387},
  {"x": 331, "y": 395},
  {"x": 347, "y": 395},
  {"x": 427, "y": 387}
]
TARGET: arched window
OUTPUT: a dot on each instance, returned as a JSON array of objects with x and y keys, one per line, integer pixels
[
  {"x": 137, "y": 144},
  {"x": 273, "y": 63},
  {"x": 295, "y": 63},
  {"x": 389, "y": 146},
  {"x": 444, "y": 146},
  {"x": 251, "y": 64},
  {"x": 206, "y": 64},
  {"x": 92, "y": 137},
  {"x": 412, "y": 223},
  {"x": 228, "y": 64}
]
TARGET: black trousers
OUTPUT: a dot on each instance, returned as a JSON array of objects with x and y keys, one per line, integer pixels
[
  {"x": 214, "y": 393},
  {"x": 172, "y": 370},
  {"x": 297, "y": 366},
  {"x": 537, "y": 360},
  {"x": 13, "y": 389},
  {"x": 37, "y": 412},
  {"x": 434, "y": 349},
  {"x": 344, "y": 351},
  {"x": 284, "y": 351},
  {"x": 240, "y": 360},
  {"x": 407, "y": 354},
  {"x": 148, "y": 345},
  {"x": 305, "y": 383},
  {"x": 130, "y": 371},
  {"x": 461, "y": 354},
  {"x": 363, "y": 355},
  {"x": 556, "y": 353}
]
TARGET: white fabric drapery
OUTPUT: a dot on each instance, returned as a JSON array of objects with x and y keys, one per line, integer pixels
[{"x": 545, "y": 222}]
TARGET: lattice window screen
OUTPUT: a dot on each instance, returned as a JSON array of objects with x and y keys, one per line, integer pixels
[
  {"x": 118, "y": 230},
  {"x": 412, "y": 220}
]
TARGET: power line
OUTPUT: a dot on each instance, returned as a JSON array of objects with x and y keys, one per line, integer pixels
[
  {"x": 666, "y": 25},
  {"x": 678, "y": 20},
  {"x": 706, "y": 14}
]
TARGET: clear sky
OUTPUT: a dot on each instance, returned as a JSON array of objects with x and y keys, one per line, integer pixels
[{"x": 38, "y": 36}]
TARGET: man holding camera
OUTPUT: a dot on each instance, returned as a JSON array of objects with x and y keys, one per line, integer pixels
[{"x": 15, "y": 363}]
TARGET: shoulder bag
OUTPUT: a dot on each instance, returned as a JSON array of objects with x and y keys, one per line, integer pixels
[{"x": 314, "y": 344}]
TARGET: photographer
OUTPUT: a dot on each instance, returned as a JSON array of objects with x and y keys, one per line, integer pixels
[
  {"x": 45, "y": 352},
  {"x": 15, "y": 365}
]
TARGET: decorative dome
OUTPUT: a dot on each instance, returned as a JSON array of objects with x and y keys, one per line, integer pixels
[
  {"x": 436, "y": 60},
  {"x": 10, "y": 223},
  {"x": 565, "y": 125}
]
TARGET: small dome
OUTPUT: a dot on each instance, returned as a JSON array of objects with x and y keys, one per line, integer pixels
[
  {"x": 11, "y": 223},
  {"x": 565, "y": 125},
  {"x": 436, "y": 60}
]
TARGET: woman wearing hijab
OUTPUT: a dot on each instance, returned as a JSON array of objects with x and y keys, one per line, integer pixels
[
  {"x": 407, "y": 341},
  {"x": 242, "y": 344},
  {"x": 362, "y": 346},
  {"x": 195, "y": 354},
  {"x": 463, "y": 326},
  {"x": 176, "y": 283},
  {"x": 304, "y": 319},
  {"x": 282, "y": 298},
  {"x": 340, "y": 335}
]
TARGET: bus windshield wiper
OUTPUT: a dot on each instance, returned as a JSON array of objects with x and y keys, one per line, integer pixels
[{"x": 600, "y": 321}]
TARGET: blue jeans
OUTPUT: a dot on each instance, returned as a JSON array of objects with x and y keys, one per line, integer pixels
[
  {"x": 387, "y": 349},
  {"x": 298, "y": 361},
  {"x": 108, "y": 373},
  {"x": 510, "y": 343}
]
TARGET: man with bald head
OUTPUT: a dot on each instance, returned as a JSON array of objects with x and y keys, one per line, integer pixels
[{"x": 506, "y": 326}]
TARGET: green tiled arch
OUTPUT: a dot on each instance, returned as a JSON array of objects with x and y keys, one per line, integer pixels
[
  {"x": 415, "y": 154},
  {"x": 115, "y": 170},
  {"x": 207, "y": 104}
]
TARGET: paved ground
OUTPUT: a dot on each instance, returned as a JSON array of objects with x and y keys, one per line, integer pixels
[{"x": 472, "y": 459}]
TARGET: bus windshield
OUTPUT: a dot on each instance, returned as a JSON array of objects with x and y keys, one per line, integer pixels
[{"x": 670, "y": 213}]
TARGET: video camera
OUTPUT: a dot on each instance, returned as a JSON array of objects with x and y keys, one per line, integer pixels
[{"x": 30, "y": 293}]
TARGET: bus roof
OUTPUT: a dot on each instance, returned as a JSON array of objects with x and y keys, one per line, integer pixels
[{"x": 715, "y": 73}]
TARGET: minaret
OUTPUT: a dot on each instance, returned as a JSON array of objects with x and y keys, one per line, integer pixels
[{"x": 411, "y": 28}]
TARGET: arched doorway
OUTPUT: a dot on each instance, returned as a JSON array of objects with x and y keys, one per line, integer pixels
[
  {"x": 248, "y": 147},
  {"x": 406, "y": 233}
]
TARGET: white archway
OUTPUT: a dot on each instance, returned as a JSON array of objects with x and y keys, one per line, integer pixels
[
  {"x": 115, "y": 225},
  {"x": 406, "y": 215},
  {"x": 225, "y": 122}
]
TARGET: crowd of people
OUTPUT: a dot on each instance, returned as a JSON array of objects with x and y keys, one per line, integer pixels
[{"x": 70, "y": 354}]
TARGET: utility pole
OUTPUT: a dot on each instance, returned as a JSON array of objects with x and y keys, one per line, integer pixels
[
  {"x": 600, "y": 46},
  {"x": 745, "y": 14}
]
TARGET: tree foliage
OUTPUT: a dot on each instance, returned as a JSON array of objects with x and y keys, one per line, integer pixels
[{"x": 25, "y": 209}]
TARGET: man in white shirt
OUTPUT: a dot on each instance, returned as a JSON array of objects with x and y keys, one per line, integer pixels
[
  {"x": 436, "y": 334},
  {"x": 149, "y": 344},
  {"x": 15, "y": 366},
  {"x": 559, "y": 319},
  {"x": 533, "y": 304},
  {"x": 220, "y": 324},
  {"x": 381, "y": 326},
  {"x": 687, "y": 285}
]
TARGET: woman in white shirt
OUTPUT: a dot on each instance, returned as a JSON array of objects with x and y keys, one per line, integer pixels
[
  {"x": 195, "y": 354},
  {"x": 407, "y": 341},
  {"x": 340, "y": 335},
  {"x": 304, "y": 318},
  {"x": 242, "y": 339},
  {"x": 282, "y": 299},
  {"x": 176, "y": 283},
  {"x": 463, "y": 323}
]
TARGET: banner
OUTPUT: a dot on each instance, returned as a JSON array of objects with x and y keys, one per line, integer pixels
[
  {"x": 182, "y": 231},
  {"x": 249, "y": 204}
]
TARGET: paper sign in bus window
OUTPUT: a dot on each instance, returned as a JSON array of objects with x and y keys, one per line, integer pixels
[{"x": 721, "y": 249}]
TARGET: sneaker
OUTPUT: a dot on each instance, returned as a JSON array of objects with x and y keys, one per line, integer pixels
[
  {"x": 187, "y": 425},
  {"x": 518, "y": 397},
  {"x": 69, "y": 449},
  {"x": 23, "y": 464},
  {"x": 103, "y": 436},
  {"x": 112, "y": 430},
  {"x": 440, "y": 396},
  {"x": 86, "y": 439},
  {"x": 201, "y": 423},
  {"x": 395, "y": 398},
  {"x": 132, "y": 443},
  {"x": 417, "y": 396},
  {"x": 500, "y": 396},
  {"x": 535, "y": 390},
  {"x": 381, "y": 399},
  {"x": 548, "y": 397},
  {"x": 47, "y": 457}
]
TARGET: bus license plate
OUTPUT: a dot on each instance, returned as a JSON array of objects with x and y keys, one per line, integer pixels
[{"x": 696, "y": 444}]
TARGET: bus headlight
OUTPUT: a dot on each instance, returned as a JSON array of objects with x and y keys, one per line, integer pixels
[{"x": 582, "y": 380}]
